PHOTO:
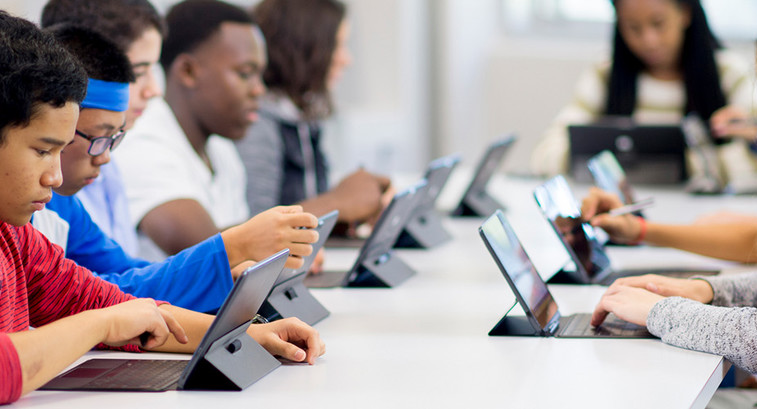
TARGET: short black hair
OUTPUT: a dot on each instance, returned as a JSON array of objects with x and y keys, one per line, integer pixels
[
  {"x": 192, "y": 22},
  {"x": 101, "y": 58},
  {"x": 34, "y": 70},
  {"x": 121, "y": 21}
]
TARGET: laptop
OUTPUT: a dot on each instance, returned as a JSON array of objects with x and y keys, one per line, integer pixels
[
  {"x": 289, "y": 296},
  {"x": 226, "y": 358},
  {"x": 543, "y": 316},
  {"x": 650, "y": 154},
  {"x": 377, "y": 265},
  {"x": 424, "y": 229},
  {"x": 476, "y": 201},
  {"x": 592, "y": 266}
]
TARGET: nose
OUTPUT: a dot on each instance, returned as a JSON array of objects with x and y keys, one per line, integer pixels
[
  {"x": 102, "y": 158},
  {"x": 53, "y": 176},
  {"x": 152, "y": 87},
  {"x": 257, "y": 86}
]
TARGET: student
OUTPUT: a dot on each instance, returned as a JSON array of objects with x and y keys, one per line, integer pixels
[
  {"x": 183, "y": 176},
  {"x": 197, "y": 278},
  {"x": 725, "y": 237},
  {"x": 137, "y": 29},
  {"x": 307, "y": 52},
  {"x": 666, "y": 63},
  {"x": 71, "y": 310}
]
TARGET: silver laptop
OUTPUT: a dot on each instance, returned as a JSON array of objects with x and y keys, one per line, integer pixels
[
  {"x": 542, "y": 317},
  {"x": 226, "y": 358},
  {"x": 590, "y": 263},
  {"x": 476, "y": 201},
  {"x": 377, "y": 265}
]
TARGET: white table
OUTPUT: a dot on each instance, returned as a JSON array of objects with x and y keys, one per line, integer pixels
[{"x": 424, "y": 343}]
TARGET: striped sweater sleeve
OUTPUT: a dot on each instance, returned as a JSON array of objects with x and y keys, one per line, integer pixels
[{"x": 57, "y": 286}]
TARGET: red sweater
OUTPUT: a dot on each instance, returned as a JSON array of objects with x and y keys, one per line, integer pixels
[{"x": 38, "y": 285}]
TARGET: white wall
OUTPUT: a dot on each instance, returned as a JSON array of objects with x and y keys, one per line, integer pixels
[{"x": 432, "y": 77}]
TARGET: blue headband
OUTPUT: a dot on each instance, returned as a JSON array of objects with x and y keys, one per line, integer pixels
[{"x": 111, "y": 96}]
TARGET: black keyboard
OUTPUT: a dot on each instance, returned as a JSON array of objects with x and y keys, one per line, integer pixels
[
  {"x": 140, "y": 375},
  {"x": 579, "y": 326}
]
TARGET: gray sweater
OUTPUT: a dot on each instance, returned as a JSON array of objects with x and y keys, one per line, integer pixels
[{"x": 728, "y": 327}]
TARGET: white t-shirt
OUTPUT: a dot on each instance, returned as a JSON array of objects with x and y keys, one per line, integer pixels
[{"x": 159, "y": 165}]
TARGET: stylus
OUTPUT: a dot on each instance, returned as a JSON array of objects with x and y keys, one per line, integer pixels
[{"x": 633, "y": 207}]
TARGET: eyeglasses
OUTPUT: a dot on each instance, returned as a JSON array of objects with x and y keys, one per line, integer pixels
[{"x": 98, "y": 145}]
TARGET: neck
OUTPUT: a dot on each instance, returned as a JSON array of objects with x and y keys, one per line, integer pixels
[{"x": 180, "y": 104}]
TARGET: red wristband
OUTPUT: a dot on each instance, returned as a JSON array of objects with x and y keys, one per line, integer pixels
[{"x": 643, "y": 232}]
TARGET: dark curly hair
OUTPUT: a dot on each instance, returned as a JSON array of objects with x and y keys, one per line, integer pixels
[
  {"x": 301, "y": 38},
  {"x": 34, "y": 70},
  {"x": 121, "y": 21},
  {"x": 101, "y": 58},
  {"x": 192, "y": 22},
  {"x": 704, "y": 94}
]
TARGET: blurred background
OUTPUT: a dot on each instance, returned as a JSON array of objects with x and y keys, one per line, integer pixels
[{"x": 433, "y": 77}]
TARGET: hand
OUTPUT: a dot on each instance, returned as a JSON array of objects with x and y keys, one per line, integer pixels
[
  {"x": 241, "y": 268},
  {"x": 317, "y": 266},
  {"x": 360, "y": 196},
  {"x": 627, "y": 303},
  {"x": 731, "y": 121},
  {"x": 622, "y": 229},
  {"x": 271, "y": 231},
  {"x": 289, "y": 338},
  {"x": 697, "y": 290},
  {"x": 126, "y": 322}
]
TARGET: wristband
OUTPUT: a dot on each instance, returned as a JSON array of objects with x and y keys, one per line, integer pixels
[{"x": 643, "y": 232}]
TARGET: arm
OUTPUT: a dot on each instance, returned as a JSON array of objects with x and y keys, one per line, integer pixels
[
  {"x": 729, "y": 241},
  {"x": 197, "y": 278},
  {"x": 731, "y": 332},
  {"x": 289, "y": 338},
  {"x": 45, "y": 351},
  {"x": 358, "y": 197},
  {"x": 178, "y": 224}
]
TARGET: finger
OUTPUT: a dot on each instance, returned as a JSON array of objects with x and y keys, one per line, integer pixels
[
  {"x": 384, "y": 182},
  {"x": 302, "y": 236},
  {"x": 174, "y": 326},
  {"x": 285, "y": 349},
  {"x": 294, "y": 262},
  {"x": 302, "y": 219},
  {"x": 300, "y": 250},
  {"x": 589, "y": 206},
  {"x": 599, "y": 314},
  {"x": 289, "y": 209}
]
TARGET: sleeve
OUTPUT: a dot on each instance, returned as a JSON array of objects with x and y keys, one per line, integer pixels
[
  {"x": 11, "y": 381},
  {"x": 738, "y": 81},
  {"x": 58, "y": 287},
  {"x": 198, "y": 278},
  {"x": 155, "y": 171},
  {"x": 550, "y": 156},
  {"x": 734, "y": 290},
  {"x": 262, "y": 153},
  {"x": 730, "y": 332},
  {"x": 89, "y": 246}
]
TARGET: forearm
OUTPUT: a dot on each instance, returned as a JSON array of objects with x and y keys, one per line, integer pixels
[
  {"x": 195, "y": 325},
  {"x": 47, "y": 350},
  {"x": 734, "y": 242},
  {"x": 731, "y": 332}
]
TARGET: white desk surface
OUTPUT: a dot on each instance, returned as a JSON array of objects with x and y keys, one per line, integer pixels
[{"x": 424, "y": 343}]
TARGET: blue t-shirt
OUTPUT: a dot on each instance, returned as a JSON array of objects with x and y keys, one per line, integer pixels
[{"x": 198, "y": 278}]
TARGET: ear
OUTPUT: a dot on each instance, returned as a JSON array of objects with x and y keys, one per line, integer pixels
[{"x": 185, "y": 70}]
